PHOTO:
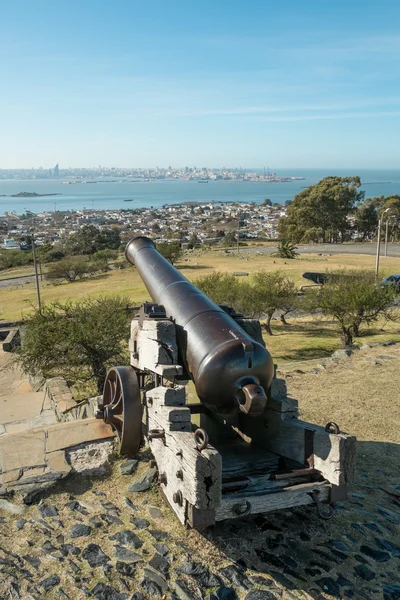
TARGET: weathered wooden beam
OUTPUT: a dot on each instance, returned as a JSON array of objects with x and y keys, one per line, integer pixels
[
  {"x": 233, "y": 506},
  {"x": 183, "y": 468},
  {"x": 333, "y": 454},
  {"x": 153, "y": 347}
]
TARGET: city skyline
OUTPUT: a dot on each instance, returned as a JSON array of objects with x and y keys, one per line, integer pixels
[{"x": 293, "y": 86}]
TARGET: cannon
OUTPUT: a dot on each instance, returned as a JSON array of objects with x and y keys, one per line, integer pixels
[
  {"x": 230, "y": 370},
  {"x": 201, "y": 390}
]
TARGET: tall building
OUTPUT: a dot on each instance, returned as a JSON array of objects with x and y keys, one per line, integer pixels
[{"x": 56, "y": 171}]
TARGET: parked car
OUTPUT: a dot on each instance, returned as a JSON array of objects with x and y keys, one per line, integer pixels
[{"x": 393, "y": 280}]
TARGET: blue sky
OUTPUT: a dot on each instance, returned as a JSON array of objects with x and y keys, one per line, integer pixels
[{"x": 309, "y": 84}]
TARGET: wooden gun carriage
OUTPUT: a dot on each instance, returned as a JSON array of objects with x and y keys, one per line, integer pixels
[{"x": 239, "y": 448}]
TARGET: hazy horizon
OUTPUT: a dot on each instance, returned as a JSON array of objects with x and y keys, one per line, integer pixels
[{"x": 218, "y": 167}]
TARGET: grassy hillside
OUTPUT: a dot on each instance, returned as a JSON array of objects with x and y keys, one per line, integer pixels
[{"x": 16, "y": 302}]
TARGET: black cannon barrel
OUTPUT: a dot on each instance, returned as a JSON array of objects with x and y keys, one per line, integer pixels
[{"x": 231, "y": 371}]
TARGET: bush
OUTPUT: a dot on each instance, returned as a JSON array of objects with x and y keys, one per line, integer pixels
[
  {"x": 78, "y": 341},
  {"x": 70, "y": 268},
  {"x": 105, "y": 254},
  {"x": 99, "y": 265},
  {"x": 52, "y": 255},
  {"x": 14, "y": 258}
]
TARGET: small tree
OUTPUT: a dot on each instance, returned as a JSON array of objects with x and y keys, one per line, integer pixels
[
  {"x": 70, "y": 268},
  {"x": 271, "y": 291},
  {"x": 222, "y": 288},
  {"x": 172, "y": 252},
  {"x": 267, "y": 293},
  {"x": 352, "y": 298},
  {"x": 193, "y": 241},
  {"x": 78, "y": 341},
  {"x": 90, "y": 239},
  {"x": 98, "y": 265},
  {"x": 229, "y": 239}
]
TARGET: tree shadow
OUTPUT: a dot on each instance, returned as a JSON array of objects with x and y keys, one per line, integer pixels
[
  {"x": 351, "y": 556},
  {"x": 311, "y": 329},
  {"x": 313, "y": 352},
  {"x": 192, "y": 267}
]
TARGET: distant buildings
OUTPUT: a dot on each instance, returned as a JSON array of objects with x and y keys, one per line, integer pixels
[
  {"x": 208, "y": 221},
  {"x": 10, "y": 244},
  {"x": 104, "y": 173}
]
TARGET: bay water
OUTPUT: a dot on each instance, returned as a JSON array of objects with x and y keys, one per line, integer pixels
[{"x": 125, "y": 194}]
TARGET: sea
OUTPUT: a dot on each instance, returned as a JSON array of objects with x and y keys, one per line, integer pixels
[{"x": 125, "y": 194}]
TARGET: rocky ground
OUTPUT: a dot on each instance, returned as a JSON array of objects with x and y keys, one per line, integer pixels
[{"x": 93, "y": 538}]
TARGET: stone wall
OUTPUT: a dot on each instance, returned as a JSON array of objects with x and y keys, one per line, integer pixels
[
  {"x": 63, "y": 403},
  {"x": 31, "y": 461},
  {"x": 11, "y": 338}
]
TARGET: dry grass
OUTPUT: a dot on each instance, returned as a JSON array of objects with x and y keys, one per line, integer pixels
[
  {"x": 16, "y": 302},
  {"x": 362, "y": 394},
  {"x": 311, "y": 338}
]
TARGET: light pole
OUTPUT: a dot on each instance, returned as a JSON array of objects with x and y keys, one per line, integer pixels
[
  {"x": 387, "y": 231},
  {"x": 36, "y": 273},
  {"x": 238, "y": 232},
  {"x": 378, "y": 245}
]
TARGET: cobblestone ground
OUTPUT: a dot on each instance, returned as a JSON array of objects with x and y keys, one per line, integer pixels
[{"x": 92, "y": 539}]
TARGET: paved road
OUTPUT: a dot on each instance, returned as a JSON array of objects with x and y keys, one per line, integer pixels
[
  {"x": 393, "y": 249},
  {"x": 11, "y": 281}
]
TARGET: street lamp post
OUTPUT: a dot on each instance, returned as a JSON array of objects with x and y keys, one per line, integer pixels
[
  {"x": 387, "y": 232},
  {"x": 378, "y": 245},
  {"x": 36, "y": 273},
  {"x": 238, "y": 233}
]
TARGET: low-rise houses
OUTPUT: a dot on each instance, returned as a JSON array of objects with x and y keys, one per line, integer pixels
[{"x": 207, "y": 221}]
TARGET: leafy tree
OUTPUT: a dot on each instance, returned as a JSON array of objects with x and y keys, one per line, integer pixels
[
  {"x": 172, "y": 252},
  {"x": 366, "y": 220},
  {"x": 222, "y": 288},
  {"x": 109, "y": 239},
  {"x": 393, "y": 202},
  {"x": 314, "y": 234},
  {"x": 229, "y": 239},
  {"x": 78, "y": 341},
  {"x": 325, "y": 205},
  {"x": 84, "y": 241},
  {"x": 105, "y": 254},
  {"x": 193, "y": 241},
  {"x": 97, "y": 265},
  {"x": 259, "y": 299},
  {"x": 266, "y": 202},
  {"x": 286, "y": 250},
  {"x": 271, "y": 291},
  {"x": 352, "y": 298},
  {"x": 69, "y": 268},
  {"x": 52, "y": 255},
  {"x": 90, "y": 239}
]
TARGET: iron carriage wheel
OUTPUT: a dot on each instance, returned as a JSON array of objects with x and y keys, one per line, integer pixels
[{"x": 121, "y": 407}]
